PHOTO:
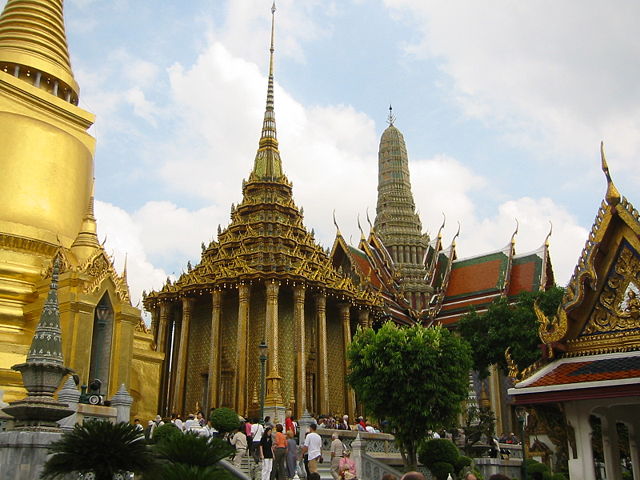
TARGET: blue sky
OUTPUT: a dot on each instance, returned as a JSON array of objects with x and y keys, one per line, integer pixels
[{"x": 502, "y": 105}]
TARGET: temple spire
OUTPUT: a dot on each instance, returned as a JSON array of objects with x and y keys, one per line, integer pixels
[
  {"x": 86, "y": 243},
  {"x": 267, "y": 165},
  {"x": 46, "y": 345},
  {"x": 33, "y": 46}
]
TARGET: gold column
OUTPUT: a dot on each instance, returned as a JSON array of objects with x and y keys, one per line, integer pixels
[
  {"x": 162, "y": 327},
  {"x": 301, "y": 357},
  {"x": 181, "y": 370},
  {"x": 345, "y": 318},
  {"x": 241, "y": 350},
  {"x": 273, "y": 395},
  {"x": 214, "y": 357},
  {"x": 363, "y": 318},
  {"x": 323, "y": 369}
]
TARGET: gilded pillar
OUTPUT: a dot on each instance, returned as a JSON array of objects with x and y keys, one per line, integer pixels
[
  {"x": 241, "y": 350},
  {"x": 273, "y": 395},
  {"x": 214, "y": 356},
  {"x": 363, "y": 318},
  {"x": 162, "y": 327},
  {"x": 323, "y": 370},
  {"x": 301, "y": 357},
  {"x": 181, "y": 370},
  {"x": 345, "y": 319}
]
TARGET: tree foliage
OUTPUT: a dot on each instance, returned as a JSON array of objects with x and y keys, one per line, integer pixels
[
  {"x": 224, "y": 420},
  {"x": 508, "y": 324},
  {"x": 479, "y": 422},
  {"x": 99, "y": 447},
  {"x": 416, "y": 378}
]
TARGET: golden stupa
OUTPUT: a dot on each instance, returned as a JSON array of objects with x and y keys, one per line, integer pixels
[{"x": 46, "y": 193}]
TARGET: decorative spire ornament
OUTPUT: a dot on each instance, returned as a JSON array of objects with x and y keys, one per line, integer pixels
[{"x": 44, "y": 369}]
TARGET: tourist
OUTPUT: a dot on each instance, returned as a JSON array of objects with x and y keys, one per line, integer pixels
[
  {"x": 313, "y": 476},
  {"x": 266, "y": 453},
  {"x": 369, "y": 428},
  {"x": 292, "y": 455},
  {"x": 360, "y": 425},
  {"x": 257, "y": 431},
  {"x": 344, "y": 424},
  {"x": 347, "y": 467},
  {"x": 191, "y": 424},
  {"x": 389, "y": 476},
  {"x": 247, "y": 433},
  {"x": 200, "y": 418},
  {"x": 498, "y": 476},
  {"x": 148, "y": 432},
  {"x": 288, "y": 424},
  {"x": 330, "y": 422},
  {"x": 268, "y": 422},
  {"x": 470, "y": 476},
  {"x": 177, "y": 421},
  {"x": 313, "y": 448},
  {"x": 279, "y": 453},
  {"x": 337, "y": 452},
  {"x": 413, "y": 476},
  {"x": 239, "y": 441},
  {"x": 136, "y": 424}
]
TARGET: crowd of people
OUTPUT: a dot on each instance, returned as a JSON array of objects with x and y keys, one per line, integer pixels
[{"x": 275, "y": 451}]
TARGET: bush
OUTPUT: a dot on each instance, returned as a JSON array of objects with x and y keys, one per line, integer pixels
[
  {"x": 561, "y": 476},
  {"x": 441, "y": 470},
  {"x": 224, "y": 420},
  {"x": 438, "y": 450},
  {"x": 536, "y": 467},
  {"x": 462, "y": 463},
  {"x": 165, "y": 431}
]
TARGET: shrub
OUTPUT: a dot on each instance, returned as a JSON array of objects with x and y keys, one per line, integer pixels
[
  {"x": 164, "y": 431},
  {"x": 224, "y": 420},
  {"x": 438, "y": 450},
  {"x": 561, "y": 476},
  {"x": 441, "y": 470},
  {"x": 462, "y": 463}
]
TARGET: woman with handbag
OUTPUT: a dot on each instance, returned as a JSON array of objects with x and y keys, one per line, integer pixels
[{"x": 347, "y": 467}]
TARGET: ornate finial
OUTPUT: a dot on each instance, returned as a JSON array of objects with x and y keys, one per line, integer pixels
[
  {"x": 513, "y": 236},
  {"x": 551, "y": 330},
  {"x": 613, "y": 195},
  {"x": 444, "y": 222},
  {"x": 391, "y": 118},
  {"x": 335, "y": 222},
  {"x": 453, "y": 242},
  {"x": 268, "y": 164},
  {"x": 546, "y": 240},
  {"x": 362, "y": 237},
  {"x": 514, "y": 373},
  {"x": 369, "y": 221}
]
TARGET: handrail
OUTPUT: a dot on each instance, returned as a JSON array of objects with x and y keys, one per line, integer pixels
[{"x": 236, "y": 473}]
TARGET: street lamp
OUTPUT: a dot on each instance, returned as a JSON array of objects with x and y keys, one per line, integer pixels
[
  {"x": 521, "y": 413},
  {"x": 263, "y": 363}
]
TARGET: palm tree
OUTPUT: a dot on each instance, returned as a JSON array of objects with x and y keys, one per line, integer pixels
[{"x": 99, "y": 447}]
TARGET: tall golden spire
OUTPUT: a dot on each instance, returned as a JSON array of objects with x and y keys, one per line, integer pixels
[
  {"x": 267, "y": 165},
  {"x": 86, "y": 243},
  {"x": 33, "y": 46}
]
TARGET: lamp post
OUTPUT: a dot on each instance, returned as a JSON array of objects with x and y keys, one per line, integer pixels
[
  {"x": 521, "y": 413},
  {"x": 263, "y": 363}
]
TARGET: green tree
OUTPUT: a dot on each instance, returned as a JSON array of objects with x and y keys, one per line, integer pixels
[
  {"x": 508, "y": 323},
  {"x": 224, "y": 420},
  {"x": 99, "y": 447},
  {"x": 478, "y": 422},
  {"x": 415, "y": 377}
]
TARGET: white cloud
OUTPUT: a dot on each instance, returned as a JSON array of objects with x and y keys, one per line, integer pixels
[
  {"x": 124, "y": 239},
  {"x": 553, "y": 76}
]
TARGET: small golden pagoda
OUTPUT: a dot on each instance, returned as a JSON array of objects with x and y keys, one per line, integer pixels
[
  {"x": 265, "y": 278},
  {"x": 46, "y": 195}
]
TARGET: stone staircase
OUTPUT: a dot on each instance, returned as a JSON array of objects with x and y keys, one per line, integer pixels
[{"x": 253, "y": 471}]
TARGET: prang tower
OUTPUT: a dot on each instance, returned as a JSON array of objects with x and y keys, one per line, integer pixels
[{"x": 397, "y": 223}]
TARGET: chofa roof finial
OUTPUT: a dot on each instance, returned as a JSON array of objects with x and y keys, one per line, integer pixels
[{"x": 613, "y": 195}]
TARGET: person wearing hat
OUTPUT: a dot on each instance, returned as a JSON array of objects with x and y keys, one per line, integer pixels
[{"x": 347, "y": 467}]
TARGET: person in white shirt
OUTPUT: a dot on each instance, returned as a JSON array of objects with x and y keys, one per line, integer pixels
[
  {"x": 257, "y": 431},
  {"x": 313, "y": 448}
]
